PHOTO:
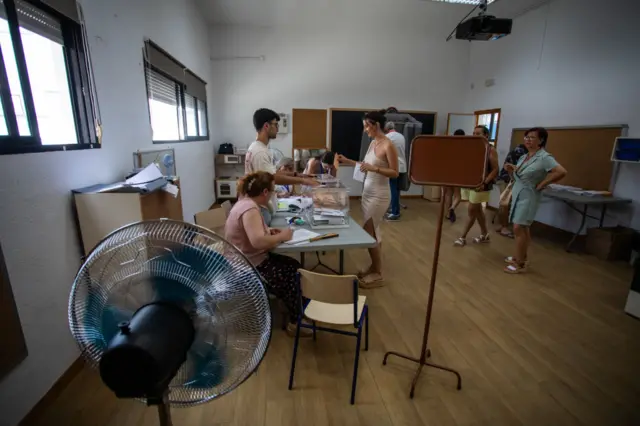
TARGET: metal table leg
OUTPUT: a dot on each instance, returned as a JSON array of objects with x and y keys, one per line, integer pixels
[
  {"x": 341, "y": 267},
  {"x": 582, "y": 222},
  {"x": 302, "y": 259},
  {"x": 602, "y": 214}
]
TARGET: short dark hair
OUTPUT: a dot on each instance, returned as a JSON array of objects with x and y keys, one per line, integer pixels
[
  {"x": 263, "y": 116},
  {"x": 485, "y": 130},
  {"x": 459, "y": 132},
  {"x": 377, "y": 117},
  {"x": 542, "y": 133},
  {"x": 328, "y": 157}
]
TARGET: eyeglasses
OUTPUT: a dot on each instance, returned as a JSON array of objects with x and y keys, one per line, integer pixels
[
  {"x": 530, "y": 138},
  {"x": 275, "y": 123}
]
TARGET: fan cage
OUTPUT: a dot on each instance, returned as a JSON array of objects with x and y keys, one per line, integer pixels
[{"x": 198, "y": 270}]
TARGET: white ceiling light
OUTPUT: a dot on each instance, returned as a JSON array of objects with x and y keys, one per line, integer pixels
[{"x": 474, "y": 2}]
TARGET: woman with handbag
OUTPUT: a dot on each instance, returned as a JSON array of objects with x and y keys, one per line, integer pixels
[
  {"x": 531, "y": 175},
  {"x": 505, "y": 181},
  {"x": 479, "y": 195}
]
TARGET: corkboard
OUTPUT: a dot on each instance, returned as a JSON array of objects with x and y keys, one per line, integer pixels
[
  {"x": 584, "y": 151},
  {"x": 448, "y": 161},
  {"x": 309, "y": 128}
]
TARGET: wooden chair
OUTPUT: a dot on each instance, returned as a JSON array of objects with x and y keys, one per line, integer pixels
[
  {"x": 226, "y": 206},
  {"x": 333, "y": 300},
  {"x": 213, "y": 220}
]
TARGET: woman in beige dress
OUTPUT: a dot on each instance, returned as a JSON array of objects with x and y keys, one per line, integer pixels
[{"x": 380, "y": 164}]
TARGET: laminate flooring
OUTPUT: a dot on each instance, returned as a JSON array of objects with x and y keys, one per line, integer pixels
[{"x": 550, "y": 347}]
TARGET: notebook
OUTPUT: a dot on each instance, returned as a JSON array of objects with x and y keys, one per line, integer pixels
[{"x": 302, "y": 235}]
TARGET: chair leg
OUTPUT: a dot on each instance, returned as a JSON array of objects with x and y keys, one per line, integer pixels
[
  {"x": 355, "y": 366},
  {"x": 295, "y": 354},
  {"x": 366, "y": 330},
  {"x": 314, "y": 330}
]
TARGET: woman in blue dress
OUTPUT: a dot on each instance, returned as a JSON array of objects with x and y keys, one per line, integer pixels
[{"x": 532, "y": 174}]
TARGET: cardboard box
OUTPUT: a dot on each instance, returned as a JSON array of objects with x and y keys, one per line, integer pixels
[{"x": 610, "y": 243}]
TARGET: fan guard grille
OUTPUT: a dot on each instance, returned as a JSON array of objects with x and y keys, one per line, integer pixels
[{"x": 189, "y": 265}]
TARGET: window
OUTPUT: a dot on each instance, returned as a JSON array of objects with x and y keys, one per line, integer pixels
[
  {"x": 491, "y": 119},
  {"x": 177, "y": 98},
  {"x": 47, "y": 101}
]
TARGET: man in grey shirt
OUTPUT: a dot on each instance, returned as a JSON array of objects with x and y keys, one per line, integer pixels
[{"x": 394, "y": 184}]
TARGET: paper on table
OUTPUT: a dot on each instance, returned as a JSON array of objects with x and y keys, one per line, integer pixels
[
  {"x": 147, "y": 175},
  {"x": 357, "y": 174},
  {"x": 301, "y": 235}
]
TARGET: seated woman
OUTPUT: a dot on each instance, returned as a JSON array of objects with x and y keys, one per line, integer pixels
[
  {"x": 285, "y": 165},
  {"x": 322, "y": 164},
  {"x": 246, "y": 229}
]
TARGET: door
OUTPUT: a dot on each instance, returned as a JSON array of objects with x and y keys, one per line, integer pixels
[{"x": 491, "y": 119}]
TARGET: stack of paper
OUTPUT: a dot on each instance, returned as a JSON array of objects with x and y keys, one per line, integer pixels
[{"x": 302, "y": 236}]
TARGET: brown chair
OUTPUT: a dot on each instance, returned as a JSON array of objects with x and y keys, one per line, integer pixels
[{"x": 213, "y": 220}]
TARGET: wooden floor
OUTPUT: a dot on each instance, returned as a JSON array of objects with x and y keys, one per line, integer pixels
[{"x": 551, "y": 347}]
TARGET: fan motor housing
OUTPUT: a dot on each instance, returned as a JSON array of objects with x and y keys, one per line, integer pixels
[{"x": 142, "y": 359}]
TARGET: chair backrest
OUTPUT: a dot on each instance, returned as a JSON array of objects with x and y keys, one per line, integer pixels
[
  {"x": 213, "y": 219},
  {"x": 336, "y": 289},
  {"x": 226, "y": 206}
]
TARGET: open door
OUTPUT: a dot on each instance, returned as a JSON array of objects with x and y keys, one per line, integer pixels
[{"x": 491, "y": 119}]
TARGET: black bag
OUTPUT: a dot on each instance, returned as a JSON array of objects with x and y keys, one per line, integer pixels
[
  {"x": 403, "y": 182},
  {"x": 225, "y": 148}
]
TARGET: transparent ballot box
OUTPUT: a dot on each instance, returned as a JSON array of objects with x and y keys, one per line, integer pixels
[{"x": 330, "y": 206}]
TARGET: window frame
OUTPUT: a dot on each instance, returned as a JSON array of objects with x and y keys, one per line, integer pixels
[
  {"x": 79, "y": 86},
  {"x": 492, "y": 112},
  {"x": 181, "y": 93}
]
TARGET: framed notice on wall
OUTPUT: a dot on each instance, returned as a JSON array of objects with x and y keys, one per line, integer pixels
[{"x": 13, "y": 349}]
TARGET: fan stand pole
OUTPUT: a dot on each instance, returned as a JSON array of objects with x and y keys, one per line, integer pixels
[
  {"x": 164, "y": 412},
  {"x": 426, "y": 353}
]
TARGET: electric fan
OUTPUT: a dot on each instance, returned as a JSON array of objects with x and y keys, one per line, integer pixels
[
  {"x": 276, "y": 156},
  {"x": 170, "y": 313}
]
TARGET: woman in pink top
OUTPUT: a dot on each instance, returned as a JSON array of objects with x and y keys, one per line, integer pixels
[{"x": 245, "y": 228}]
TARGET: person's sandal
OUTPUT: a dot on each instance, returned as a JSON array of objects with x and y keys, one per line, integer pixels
[
  {"x": 512, "y": 261},
  {"x": 515, "y": 268},
  {"x": 369, "y": 281},
  {"x": 481, "y": 239},
  {"x": 507, "y": 234},
  {"x": 460, "y": 242}
]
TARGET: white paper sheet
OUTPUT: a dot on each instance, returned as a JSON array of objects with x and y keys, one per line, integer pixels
[
  {"x": 147, "y": 175},
  {"x": 302, "y": 236},
  {"x": 357, "y": 174}
]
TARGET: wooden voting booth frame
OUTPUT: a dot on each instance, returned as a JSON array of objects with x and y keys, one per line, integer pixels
[
  {"x": 584, "y": 151},
  {"x": 442, "y": 161}
]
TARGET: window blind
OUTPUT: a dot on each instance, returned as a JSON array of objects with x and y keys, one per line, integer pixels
[
  {"x": 35, "y": 20},
  {"x": 195, "y": 86},
  {"x": 160, "y": 60},
  {"x": 68, "y": 8},
  {"x": 160, "y": 88}
]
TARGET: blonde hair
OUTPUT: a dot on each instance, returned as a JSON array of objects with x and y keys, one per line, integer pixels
[{"x": 254, "y": 184}]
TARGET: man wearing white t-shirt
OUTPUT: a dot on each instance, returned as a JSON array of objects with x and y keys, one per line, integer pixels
[
  {"x": 259, "y": 156},
  {"x": 394, "y": 184}
]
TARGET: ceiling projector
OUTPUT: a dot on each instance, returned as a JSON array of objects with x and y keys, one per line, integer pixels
[{"x": 483, "y": 27}]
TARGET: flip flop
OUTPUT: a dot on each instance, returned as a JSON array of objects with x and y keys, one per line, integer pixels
[
  {"x": 368, "y": 282},
  {"x": 507, "y": 234}
]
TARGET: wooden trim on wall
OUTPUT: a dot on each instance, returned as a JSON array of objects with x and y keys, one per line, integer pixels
[{"x": 56, "y": 390}]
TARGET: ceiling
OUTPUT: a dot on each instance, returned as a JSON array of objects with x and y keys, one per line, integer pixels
[{"x": 268, "y": 13}]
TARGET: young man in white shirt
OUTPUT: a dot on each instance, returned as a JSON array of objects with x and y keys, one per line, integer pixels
[
  {"x": 259, "y": 158},
  {"x": 394, "y": 184}
]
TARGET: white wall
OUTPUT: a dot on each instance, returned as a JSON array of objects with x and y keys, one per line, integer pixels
[
  {"x": 355, "y": 65},
  {"x": 583, "y": 71},
  {"x": 36, "y": 228}
]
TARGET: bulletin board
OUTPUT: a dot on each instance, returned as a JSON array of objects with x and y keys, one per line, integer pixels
[
  {"x": 309, "y": 128},
  {"x": 584, "y": 151}
]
